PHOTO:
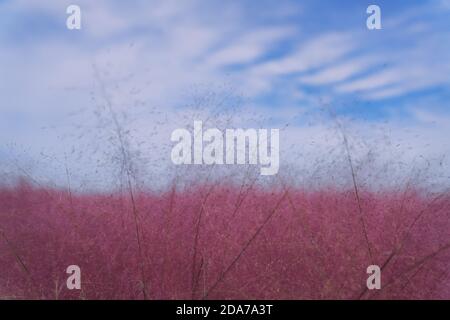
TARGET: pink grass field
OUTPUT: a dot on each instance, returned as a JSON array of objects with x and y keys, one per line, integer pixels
[{"x": 224, "y": 242}]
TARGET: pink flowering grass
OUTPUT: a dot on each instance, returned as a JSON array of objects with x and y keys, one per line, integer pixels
[{"x": 224, "y": 242}]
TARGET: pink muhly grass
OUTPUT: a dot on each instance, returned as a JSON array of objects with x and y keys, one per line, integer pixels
[{"x": 224, "y": 242}]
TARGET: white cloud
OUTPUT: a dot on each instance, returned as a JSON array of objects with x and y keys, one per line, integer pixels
[
  {"x": 374, "y": 81},
  {"x": 249, "y": 46},
  {"x": 339, "y": 72},
  {"x": 316, "y": 52}
]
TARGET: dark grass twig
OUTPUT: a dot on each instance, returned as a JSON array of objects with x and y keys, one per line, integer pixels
[
  {"x": 245, "y": 247},
  {"x": 127, "y": 166}
]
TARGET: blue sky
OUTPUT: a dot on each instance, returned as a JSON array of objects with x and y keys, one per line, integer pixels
[
  {"x": 282, "y": 59},
  {"x": 287, "y": 51}
]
